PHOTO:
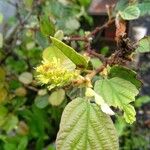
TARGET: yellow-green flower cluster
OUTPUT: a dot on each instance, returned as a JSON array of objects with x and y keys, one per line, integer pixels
[{"x": 54, "y": 74}]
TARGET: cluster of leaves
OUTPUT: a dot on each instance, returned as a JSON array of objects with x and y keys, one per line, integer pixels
[{"x": 27, "y": 119}]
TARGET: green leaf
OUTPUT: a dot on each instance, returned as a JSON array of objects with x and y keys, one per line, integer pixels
[
  {"x": 1, "y": 40},
  {"x": 52, "y": 51},
  {"x": 72, "y": 24},
  {"x": 125, "y": 73},
  {"x": 69, "y": 52},
  {"x": 142, "y": 100},
  {"x": 119, "y": 93},
  {"x": 10, "y": 123},
  {"x": 26, "y": 77},
  {"x": 23, "y": 143},
  {"x": 84, "y": 126},
  {"x": 130, "y": 13},
  {"x": 41, "y": 101},
  {"x": 59, "y": 35},
  {"x": 46, "y": 25},
  {"x": 144, "y": 45},
  {"x": 144, "y": 8},
  {"x": 129, "y": 113},
  {"x": 57, "y": 97},
  {"x": 95, "y": 62},
  {"x": 1, "y": 17}
]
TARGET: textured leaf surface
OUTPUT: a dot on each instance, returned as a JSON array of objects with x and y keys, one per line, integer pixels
[
  {"x": 85, "y": 127},
  {"x": 118, "y": 92},
  {"x": 144, "y": 45},
  {"x": 130, "y": 13},
  {"x": 125, "y": 73},
  {"x": 69, "y": 52}
]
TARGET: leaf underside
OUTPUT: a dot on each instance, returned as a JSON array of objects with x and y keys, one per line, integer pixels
[{"x": 85, "y": 127}]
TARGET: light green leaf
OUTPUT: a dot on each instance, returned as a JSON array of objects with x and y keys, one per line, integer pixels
[
  {"x": 144, "y": 45},
  {"x": 95, "y": 62},
  {"x": 129, "y": 113},
  {"x": 23, "y": 143},
  {"x": 59, "y": 35},
  {"x": 142, "y": 100},
  {"x": 10, "y": 122},
  {"x": 130, "y": 13},
  {"x": 72, "y": 24},
  {"x": 84, "y": 126},
  {"x": 26, "y": 77},
  {"x": 69, "y": 52},
  {"x": 41, "y": 101},
  {"x": 57, "y": 97},
  {"x": 117, "y": 92},
  {"x": 125, "y": 73},
  {"x": 46, "y": 25},
  {"x": 1, "y": 17},
  {"x": 1, "y": 40},
  {"x": 52, "y": 51}
]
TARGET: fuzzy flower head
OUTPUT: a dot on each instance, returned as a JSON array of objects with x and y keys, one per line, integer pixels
[{"x": 55, "y": 74}]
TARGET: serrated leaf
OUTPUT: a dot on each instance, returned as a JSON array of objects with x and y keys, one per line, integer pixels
[
  {"x": 57, "y": 97},
  {"x": 26, "y": 77},
  {"x": 69, "y": 52},
  {"x": 119, "y": 93},
  {"x": 46, "y": 25},
  {"x": 130, "y": 13},
  {"x": 129, "y": 113},
  {"x": 116, "y": 91},
  {"x": 125, "y": 73},
  {"x": 41, "y": 101},
  {"x": 84, "y": 126},
  {"x": 144, "y": 45}
]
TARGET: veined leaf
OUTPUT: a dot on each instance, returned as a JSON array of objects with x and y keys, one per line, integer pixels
[
  {"x": 125, "y": 73},
  {"x": 119, "y": 93},
  {"x": 130, "y": 13},
  {"x": 69, "y": 52},
  {"x": 52, "y": 51},
  {"x": 129, "y": 113},
  {"x": 144, "y": 45},
  {"x": 84, "y": 126}
]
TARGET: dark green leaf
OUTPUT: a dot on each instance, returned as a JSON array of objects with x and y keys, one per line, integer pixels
[{"x": 125, "y": 73}]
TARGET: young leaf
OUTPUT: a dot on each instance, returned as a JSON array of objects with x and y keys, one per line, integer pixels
[
  {"x": 130, "y": 13},
  {"x": 129, "y": 113},
  {"x": 144, "y": 45},
  {"x": 69, "y": 52},
  {"x": 84, "y": 126},
  {"x": 26, "y": 77},
  {"x": 57, "y": 97},
  {"x": 47, "y": 27},
  {"x": 41, "y": 101},
  {"x": 117, "y": 92},
  {"x": 125, "y": 73},
  {"x": 144, "y": 8}
]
